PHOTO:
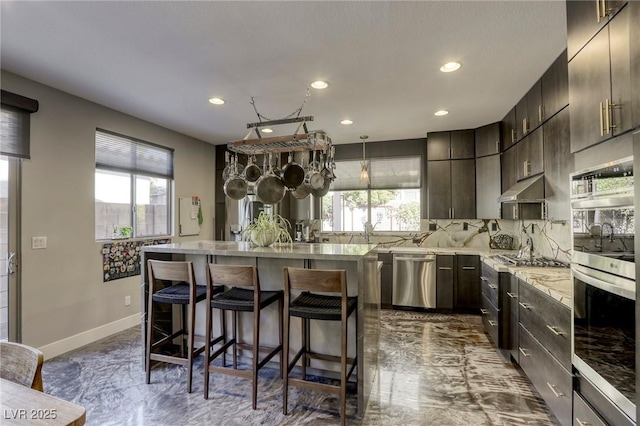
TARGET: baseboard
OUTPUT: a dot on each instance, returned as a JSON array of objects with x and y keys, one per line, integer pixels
[{"x": 54, "y": 349}]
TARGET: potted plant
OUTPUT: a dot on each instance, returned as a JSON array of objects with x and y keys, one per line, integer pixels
[{"x": 266, "y": 230}]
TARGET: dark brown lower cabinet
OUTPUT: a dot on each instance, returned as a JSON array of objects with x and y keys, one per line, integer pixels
[
  {"x": 584, "y": 414},
  {"x": 467, "y": 287},
  {"x": 386, "y": 280},
  {"x": 514, "y": 318},
  {"x": 445, "y": 272}
]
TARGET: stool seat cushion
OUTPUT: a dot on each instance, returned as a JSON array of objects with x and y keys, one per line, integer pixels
[
  {"x": 179, "y": 294},
  {"x": 320, "y": 307},
  {"x": 241, "y": 299}
]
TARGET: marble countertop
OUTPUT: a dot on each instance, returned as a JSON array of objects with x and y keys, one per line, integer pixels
[
  {"x": 240, "y": 248},
  {"x": 445, "y": 250},
  {"x": 554, "y": 282}
]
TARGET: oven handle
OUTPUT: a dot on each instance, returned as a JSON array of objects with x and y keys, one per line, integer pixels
[
  {"x": 625, "y": 201},
  {"x": 614, "y": 284}
]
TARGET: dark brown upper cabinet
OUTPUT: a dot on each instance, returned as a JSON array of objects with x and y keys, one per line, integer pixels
[
  {"x": 600, "y": 85},
  {"x": 453, "y": 145},
  {"x": 585, "y": 19},
  {"x": 488, "y": 187},
  {"x": 451, "y": 187},
  {"x": 558, "y": 163},
  {"x": 529, "y": 111},
  {"x": 508, "y": 172},
  {"x": 508, "y": 129},
  {"x": 555, "y": 87},
  {"x": 529, "y": 155},
  {"x": 488, "y": 140},
  {"x": 634, "y": 49}
]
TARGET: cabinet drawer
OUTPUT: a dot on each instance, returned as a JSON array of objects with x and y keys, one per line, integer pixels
[
  {"x": 548, "y": 320},
  {"x": 490, "y": 320},
  {"x": 550, "y": 379},
  {"x": 490, "y": 289},
  {"x": 583, "y": 414}
]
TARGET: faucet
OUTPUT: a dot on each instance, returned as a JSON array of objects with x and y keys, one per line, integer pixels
[{"x": 368, "y": 230}]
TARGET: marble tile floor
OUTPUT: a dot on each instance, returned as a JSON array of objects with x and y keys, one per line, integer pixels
[{"x": 435, "y": 369}]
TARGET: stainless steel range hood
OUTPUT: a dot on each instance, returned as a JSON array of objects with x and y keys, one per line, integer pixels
[{"x": 530, "y": 190}]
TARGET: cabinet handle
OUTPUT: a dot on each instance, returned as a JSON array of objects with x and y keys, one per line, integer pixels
[
  {"x": 511, "y": 295},
  {"x": 484, "y": 312},
  {"x": 492, "y": 323},
  {"x": 483, "y": 278},
  {"x": 582, "y": 423},
  {"x": 523, "y": 351},
  {"x": 498, "y": 146},
  {"x": 467, "y": 268},
  {"x": 444, "y": 268},
  {"x": 513, "y": 135},
  {"x": 515, "y": 211},
  {"x": 554, "y": 330},
  {"x": 493, "y": 286},
  {"x": 558, "y": 394},
  {"x": 598, "y": 16},
  {"x": 601, "y": 119},
  {"x": 450, "y": 213},
  {"x": 525, "y": 126},
  {"x": 526, "y": 168},
  {"x": 524, "y": 305},
  {"x": 607, "y": 121},
  {"x": 540, "y": 114},
  {"x": 453, "y": 212}
]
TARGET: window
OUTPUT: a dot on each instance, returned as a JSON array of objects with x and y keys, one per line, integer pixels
[
  {"x": 391, "y": 202},
  {"x": 133, "y": 182}
]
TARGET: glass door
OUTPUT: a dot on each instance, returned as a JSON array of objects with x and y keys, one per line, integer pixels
[{"x": 9, "y": 250}]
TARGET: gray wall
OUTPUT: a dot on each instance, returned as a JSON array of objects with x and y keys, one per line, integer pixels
[{"x": 62, "y": 290}]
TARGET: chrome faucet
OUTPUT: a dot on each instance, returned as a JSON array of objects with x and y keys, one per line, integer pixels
[
  {"x": 368, "y": 230},
  {"x": 610, "y": 231}
]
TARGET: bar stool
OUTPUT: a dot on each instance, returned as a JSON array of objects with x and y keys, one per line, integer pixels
[
  {"x": 310, "y": 306},
  {"x": 183, "y": 292},
  {"x": 237, "y": 299}
]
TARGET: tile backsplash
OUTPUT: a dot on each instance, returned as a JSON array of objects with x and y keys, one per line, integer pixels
[{"x": 550, "y": 238}]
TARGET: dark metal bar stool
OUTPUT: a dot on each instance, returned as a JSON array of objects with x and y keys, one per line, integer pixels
[
  {"x": 309, "y": 306},
  {"x": 239, "y": 299},
  {"x": 183, "y": 292}
]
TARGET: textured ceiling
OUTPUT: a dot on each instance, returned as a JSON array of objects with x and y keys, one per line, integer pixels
[{"x": 162, "y": 61}]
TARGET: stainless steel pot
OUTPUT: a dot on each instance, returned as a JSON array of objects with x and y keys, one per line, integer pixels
[
  {"x": 292, "y": 174},
  {"x": 252, "y": 172},
  {"x": 269, "y": 188},
  {"x": 235, "y": 187},
  {"x": 301, "y": 192},
  {"x": 324, "y": 190},
  {"x": 313, "y": 179}
]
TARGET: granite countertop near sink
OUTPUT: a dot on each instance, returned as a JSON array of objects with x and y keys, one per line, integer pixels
[
  {"x": 445, "y": 250},
  {"x": 554, "y": 282}
]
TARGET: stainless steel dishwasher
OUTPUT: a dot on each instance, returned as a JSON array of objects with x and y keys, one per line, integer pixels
[{"x": 414, "y": 280}]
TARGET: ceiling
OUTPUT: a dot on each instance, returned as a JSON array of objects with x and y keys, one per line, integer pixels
[{"x": 162, "y": 61}]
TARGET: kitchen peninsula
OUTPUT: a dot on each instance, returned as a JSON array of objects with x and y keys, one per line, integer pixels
[{"x": 359, "y": 260}]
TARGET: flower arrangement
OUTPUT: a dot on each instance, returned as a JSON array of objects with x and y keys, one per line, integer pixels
[{"x": 266, "y": 230}]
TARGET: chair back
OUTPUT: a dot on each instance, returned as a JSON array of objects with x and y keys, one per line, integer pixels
[
  {"x": 21, "y": 364},
  {"x": 233, "y": 275},
  {"x": 171, "y": 271},
  {"x": 322, "y": 280}
]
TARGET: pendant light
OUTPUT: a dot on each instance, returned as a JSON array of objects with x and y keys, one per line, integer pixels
[{"x": 364, "y": 174}]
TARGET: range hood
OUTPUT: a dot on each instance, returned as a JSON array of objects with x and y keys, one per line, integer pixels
[{"x": 530, "y": 190}]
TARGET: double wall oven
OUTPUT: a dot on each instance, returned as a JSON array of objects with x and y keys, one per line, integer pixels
[{"x": 604, "y": 288}]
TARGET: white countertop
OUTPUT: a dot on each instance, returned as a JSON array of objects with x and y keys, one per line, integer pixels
[
  {"x": 241, "y": 248},
  {"x": 554, "y": 282}
]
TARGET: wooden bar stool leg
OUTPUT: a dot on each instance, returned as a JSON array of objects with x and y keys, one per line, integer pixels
[
  {"x": 207, "y": 349},
  {"x": 223, "y": 333},
  {"x": 256, "y": 353},
  {"x": 235, "y": 339},
  {"x": 343, "y": 372},
  {"x": 285, "y": 354},
  {"x": 149, "y": 336},
  {"x": 280, "y": 303},
  {"x": 191, "y": 344}
]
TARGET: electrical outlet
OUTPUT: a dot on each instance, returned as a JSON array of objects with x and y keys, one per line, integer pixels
[
  {"x": 38, "y": 243},
  {"x": 465, "y": 226},
  {"x": 532, "y": 228},
  {"x": 127, "y": 301},
  {"x": 494, "y": 226},
  {"x": 432, "y": 227}
]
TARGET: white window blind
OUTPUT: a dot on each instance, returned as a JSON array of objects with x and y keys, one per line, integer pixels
[
  {"x": 384, "y": 173},
  {"x": 121, "y": 153}
]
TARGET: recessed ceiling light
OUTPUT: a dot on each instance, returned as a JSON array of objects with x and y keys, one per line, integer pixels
[
  {"x": 267, "y": 130},
  {"x": 450, "y": 66},
  {"x": 319, "y": 84},
  {"x": 217, "y": 101},
  {"x": 441, "y": 112},
  {"x": 347, "y": 121}
]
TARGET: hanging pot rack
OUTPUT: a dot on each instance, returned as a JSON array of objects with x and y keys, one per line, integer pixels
[{"x": 315, "y": 140}]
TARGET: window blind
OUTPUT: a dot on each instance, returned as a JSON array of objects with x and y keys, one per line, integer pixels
[
  {"x": 384, "y": 173},
  {"x": 121, "y": 153},
  {"x": 14, "y": 132}
]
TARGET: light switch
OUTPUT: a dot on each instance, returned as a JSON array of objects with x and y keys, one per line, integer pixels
[{"x": 38, "y": 243}]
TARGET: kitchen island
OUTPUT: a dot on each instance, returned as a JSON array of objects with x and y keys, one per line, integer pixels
[{"x": 360, "y": 262}]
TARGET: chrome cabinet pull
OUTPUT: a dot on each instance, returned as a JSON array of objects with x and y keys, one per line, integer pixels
[
  {"x": 525, "y": 128},
  {"x": 11, "y": 263},
  {"x": 540, "y": 114},
  {"x": 513, "y": 135},
  {"x": 469, "y": 268},
  {"x": 444, "y": 268},
  {"x": 484, "y": 312},
  {"x": 492, "y": 323},
  {"x": 554, "y": 330},
  {"x": 483, "y": 278},
  {"x": 601, "y": 119},
  {"x": 511, "y": 295},
  {"x": 523, "y": 351},
  {"x": 598, "y": 16},
  {"x": 558, "y": 394},
  {"x": 607, "y": 121},
  {"x": 493, "y": 286},
  {"x": 582, "y": 423},
  {"x": 497, "y": 146},
  {"x": 524, "y": 305}
]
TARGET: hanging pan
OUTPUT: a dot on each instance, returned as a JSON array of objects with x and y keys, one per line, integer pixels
[
  {"x": 252, "y": 172},
  {"x": 292, "y": 174},
  {"x": 269, "y": 188}
]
